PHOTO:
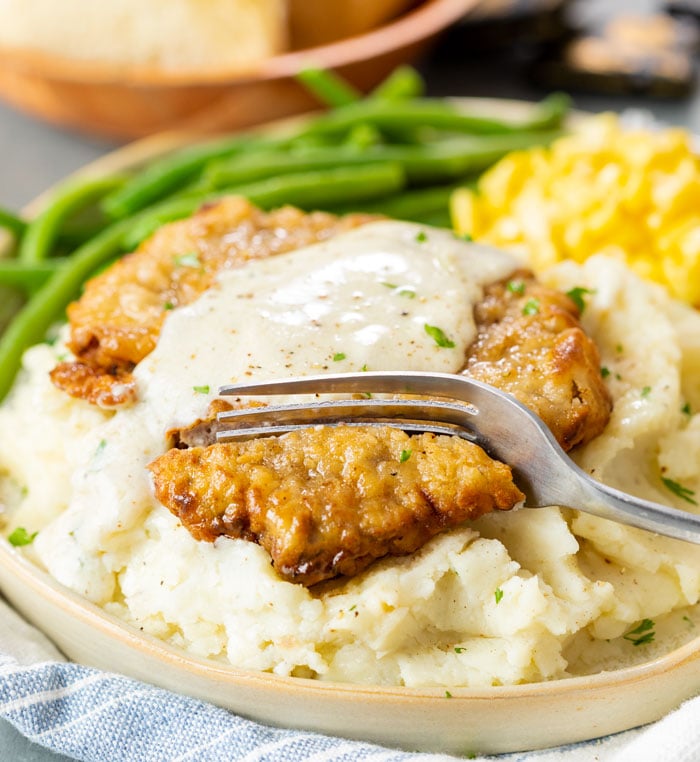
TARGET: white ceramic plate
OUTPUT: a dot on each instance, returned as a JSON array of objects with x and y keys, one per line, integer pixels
[{"x": 486, "y": 720}]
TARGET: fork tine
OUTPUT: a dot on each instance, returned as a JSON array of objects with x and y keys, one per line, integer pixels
[
  {"x": 397, "y": 382},
  {"x": 416, "y": 415},
  {"x": 496, "y": 421},
  {"x": 410, "y": 427}
]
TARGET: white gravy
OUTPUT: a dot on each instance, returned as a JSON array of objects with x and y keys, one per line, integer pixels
[{"x": 360, "y": 300}]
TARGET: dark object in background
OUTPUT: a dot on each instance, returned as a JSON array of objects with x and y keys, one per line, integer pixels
[
  {"x": 684, "y": 9},
  {"x": 643, "y": 54},
  {"x": 510, "y": 28},
  {"x": 641, "y": 47}
]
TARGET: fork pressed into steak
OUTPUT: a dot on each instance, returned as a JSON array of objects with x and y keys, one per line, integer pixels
[{"x": 328, "y": 501}]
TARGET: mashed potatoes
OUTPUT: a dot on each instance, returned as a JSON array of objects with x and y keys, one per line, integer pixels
[{"x": 526, "y": 596}]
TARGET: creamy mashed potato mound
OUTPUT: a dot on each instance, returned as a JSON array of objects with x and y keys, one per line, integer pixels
[{"x": 524, "y": 596}]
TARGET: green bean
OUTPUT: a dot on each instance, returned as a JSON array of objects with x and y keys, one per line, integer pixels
[
  {"x": 410, "y": 205},
  {"x": 27, "y": 276},
  {"x": 13, "y": 223},
  {"x": 308, "y": 190},
  {"x": 170, "y": 173},
  {"x": 445, "y": 160},
  {"x": 32, "y": 322},
  {"x": 42, "y": 232},
  {"x": 75, "y": 233},
  {"x": 363, "y": 136},
  {"x": 261, "y": 166},
  {"x": 439, "y": 218},
  {"x": 434, "y": 113},
  {"x": 11, "y": 301},
  {"x": 430, "y": 162},
  {"x": 328, "y": 87},
  {"x": 404, "y": 82}
]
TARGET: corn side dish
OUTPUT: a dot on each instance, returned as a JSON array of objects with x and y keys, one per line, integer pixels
[{"x": 633, "y": 195}]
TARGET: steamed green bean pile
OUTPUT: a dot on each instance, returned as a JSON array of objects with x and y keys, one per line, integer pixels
[{"x": 392, "y": 152}]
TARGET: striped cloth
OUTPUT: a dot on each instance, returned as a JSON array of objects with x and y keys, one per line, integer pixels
[{"x": 97, "y": 716}]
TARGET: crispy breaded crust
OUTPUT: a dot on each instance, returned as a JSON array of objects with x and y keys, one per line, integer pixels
[
  {"x": 326, "y": 502},
  {"x": 117, "y": 320},
  {"x": 530, "y": 343}
]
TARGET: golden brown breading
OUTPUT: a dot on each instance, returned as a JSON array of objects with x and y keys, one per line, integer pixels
[
  {"x": 328, "y": 501},
  {"x": 117, "y": 321},
  {"x": 530, "y": 343}
]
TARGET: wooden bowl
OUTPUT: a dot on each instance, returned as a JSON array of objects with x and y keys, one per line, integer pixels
[{"x": 109, "y": 101}]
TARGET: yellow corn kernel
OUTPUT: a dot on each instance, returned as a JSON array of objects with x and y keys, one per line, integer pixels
[{"x": 630, "y": 194}]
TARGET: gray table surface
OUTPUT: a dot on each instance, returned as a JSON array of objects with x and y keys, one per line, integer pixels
[{"x": 36, "y": 155}]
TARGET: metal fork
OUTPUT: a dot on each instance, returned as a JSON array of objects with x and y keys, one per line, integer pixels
[{"x": 493, "y": 419}]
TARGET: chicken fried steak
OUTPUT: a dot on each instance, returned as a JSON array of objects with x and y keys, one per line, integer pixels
[
  {"x": 116, "y": 322},
  {"x": 328, "y": 501},
  {"x": 530, "y": 343}
]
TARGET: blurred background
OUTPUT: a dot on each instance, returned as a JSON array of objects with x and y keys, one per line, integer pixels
[{"x": 638, "y": 54}]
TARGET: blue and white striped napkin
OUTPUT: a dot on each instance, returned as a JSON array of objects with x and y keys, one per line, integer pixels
[{"x": 96, "y": 716}]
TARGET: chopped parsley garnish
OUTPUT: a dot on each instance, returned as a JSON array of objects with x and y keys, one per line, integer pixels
[
  {"x": 516, "y": 286},
  {"x": 202, "y": 389},
  {"x": 100, "y": 447},
  {"x": 338, "y": 356},
  {"x": 405, "y": 455},
  {"x": 467, "y": 237},
  {"x": 422, "y": 237},
  {"x": 364, "y": 368},
  {"x": 532, "y": 307},
  {"x": 168, "y": 306},
  {"x": 191, "y": 259},
  {"x": 689, "y": 621},
  {"x": 646, "y": 391},
  {"x": 498, "y": 594},
  {"x": 619, "y": 349},
  {"x": 576, "y": 295},
  {"x": 353, "y": 607},
  {"x": 686, "y": 409},
  {"x": 448, "y": 694},
  {"x": 460, "y": 649},
  {"x": 604, "y": 372},
  {"x": 680, "y": 491},
  {"x": 21, "y": 537},
  {"x": 438, "y": 336},
  {"x": 642, "y": 633},
  {"x": 409, "y": 293}
]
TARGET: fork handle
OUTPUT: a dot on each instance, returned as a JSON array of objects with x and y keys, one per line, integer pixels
[{"x": 609, "y": 503}]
